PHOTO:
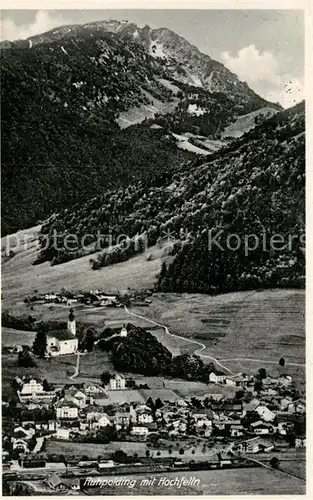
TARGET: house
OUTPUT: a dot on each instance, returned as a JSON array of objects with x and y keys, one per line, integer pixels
[
  {"x": 143, "y": 414},
  {"x": 284, "y": 380},
  {"x": 296, "y": 406},
  {"x": 66, "y": 410},
  {"x": 50, "y": 297},
  {"x": 20, "y": 445},
  {"x": 63, "y": 433},
  {"x": 242, "y": 379},
  {"x": 203, "y": 420},
  {"x": 236, "y": 430},
  {"x": 253, "y": 445},
  {"x": 102, "y": 421},
  {"x": 217, "y": 378},
  {"x": 265, "y": 413},
  {"x": 54, "y": 482},
  {"x": 20, "y": 432},
  {"x": 52, "y": 425},
  {"x": 230, "y": 381},
  {"x": 284, "y": 427},
  {"x": 93, "y": 389},
  {"x": 300, "y": 442},
  {"x": 225, "y": 409},
  {"x": 284, "y": 402},
  {"x": 76, "y": 396},
  {"x": 269, "y": 391},
  {"x": 214, "y": 396},
  {"x": 121, "y": 420},
  {"x": 261, "y": 428},
  {"x": 139, "y": 430},
  {"x": 31, "y": 385},
  {"x": 269, "y": 381},
  {"x": 92, "y": 412},
  {"x": 61, "y": 342},
  {"x": 72, "y": 301},
  {"x": 117, "y": 383},
  {"x": 225, "y": 424}
]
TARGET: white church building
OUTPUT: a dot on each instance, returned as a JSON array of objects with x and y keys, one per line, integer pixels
[{"x": 63, "y": 341}]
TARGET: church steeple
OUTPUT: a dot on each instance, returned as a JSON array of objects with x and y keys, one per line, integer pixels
[{"x": 71, "y": 323}]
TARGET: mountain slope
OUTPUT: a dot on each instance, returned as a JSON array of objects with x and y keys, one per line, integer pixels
[
  {"x": 250, "y": 214},
  {"x": 255, "y": 186},
  {"x": 66, "y": 93}
]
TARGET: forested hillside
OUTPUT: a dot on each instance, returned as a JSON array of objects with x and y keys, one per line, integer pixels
[
  {"x": 255, "y": 192},
  {"x": 65, "y": 93},
  {"x": 255, "y": 186}
]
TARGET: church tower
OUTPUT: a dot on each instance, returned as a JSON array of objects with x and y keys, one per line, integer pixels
[
  {"x": 71, "y": 323},
  {"x": 123, "y": 332}
]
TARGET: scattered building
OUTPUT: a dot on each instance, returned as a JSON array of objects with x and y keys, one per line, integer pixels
[{"x": 117, "y": 383}]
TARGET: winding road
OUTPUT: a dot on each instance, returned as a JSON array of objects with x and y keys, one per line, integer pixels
[
  {"x": 202, "y": 347},
  {"x": 197, "y": 352}
]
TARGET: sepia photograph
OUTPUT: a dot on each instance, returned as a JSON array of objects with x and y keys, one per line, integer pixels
[{"x": 153, "y": 257}]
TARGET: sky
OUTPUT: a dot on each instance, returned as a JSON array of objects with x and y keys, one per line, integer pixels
[{"x": 265, "y": 48}]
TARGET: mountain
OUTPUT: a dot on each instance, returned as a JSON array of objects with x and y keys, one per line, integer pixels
[
  {"x": 68, "y": 93},
  {"x": 237, "y": 198}
]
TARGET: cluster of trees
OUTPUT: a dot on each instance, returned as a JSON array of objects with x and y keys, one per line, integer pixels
[
  {"x": 25, "y": 323},
  {"x": 141, "y": 352},
  {"x": 25, "y": 358},
  {"x": 119, "y": 253}
]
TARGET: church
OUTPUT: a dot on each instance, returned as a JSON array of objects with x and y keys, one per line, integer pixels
[{"x": 63, "y": 341}]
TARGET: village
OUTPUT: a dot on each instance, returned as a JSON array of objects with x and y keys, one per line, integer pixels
[
  {"x": 132, "y": 427},
  {"x": 55, "y": 433}
]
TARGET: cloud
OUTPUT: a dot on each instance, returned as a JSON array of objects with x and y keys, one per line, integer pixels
[
  {"x": 44, "y": 21},
  {"x": 264, "y": 75}
]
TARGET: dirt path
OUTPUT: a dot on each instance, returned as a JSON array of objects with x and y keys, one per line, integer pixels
[
  {"x": 197, "y": 352},
  {"x": 275, "y": 470},
  {"x": 76, "y": 372}
]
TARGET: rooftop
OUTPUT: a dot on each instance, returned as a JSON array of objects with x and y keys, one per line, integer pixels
[{"x": 61, "y": 335}]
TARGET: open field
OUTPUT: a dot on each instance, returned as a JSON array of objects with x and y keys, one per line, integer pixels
[
  {"x": 20, "y": 278},
  {"x": 56, "y": 370},
  {"x": 254, "y": 481},
  {"x": 93, "y": 450},
  {"x": 10, "y": 336},
  {"x": 193, "y": 449},
  {"x": 243, "y": 330}
]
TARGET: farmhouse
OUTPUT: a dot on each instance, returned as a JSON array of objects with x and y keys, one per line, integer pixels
[
  {"x": 265, "y": 413},
  {"x": 63, "y": 433},
  {"x": 139, "y": 430},
  {"x": 66, "y": 410},
  {"x": 54, "y": 482},
  {"x": 217, "y": 378},
  {"x": 117, "y": 383},
  {"x": 63, "y": 341},
  {"x": 32, "y": 392},
  {"x": 253, "y": 445},
  {"x": 20, "y": 445},
  {"x": 261, "y": 428}
]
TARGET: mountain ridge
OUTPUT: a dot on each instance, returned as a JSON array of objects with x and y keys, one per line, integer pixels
[{"x": 64, "y": 100}]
